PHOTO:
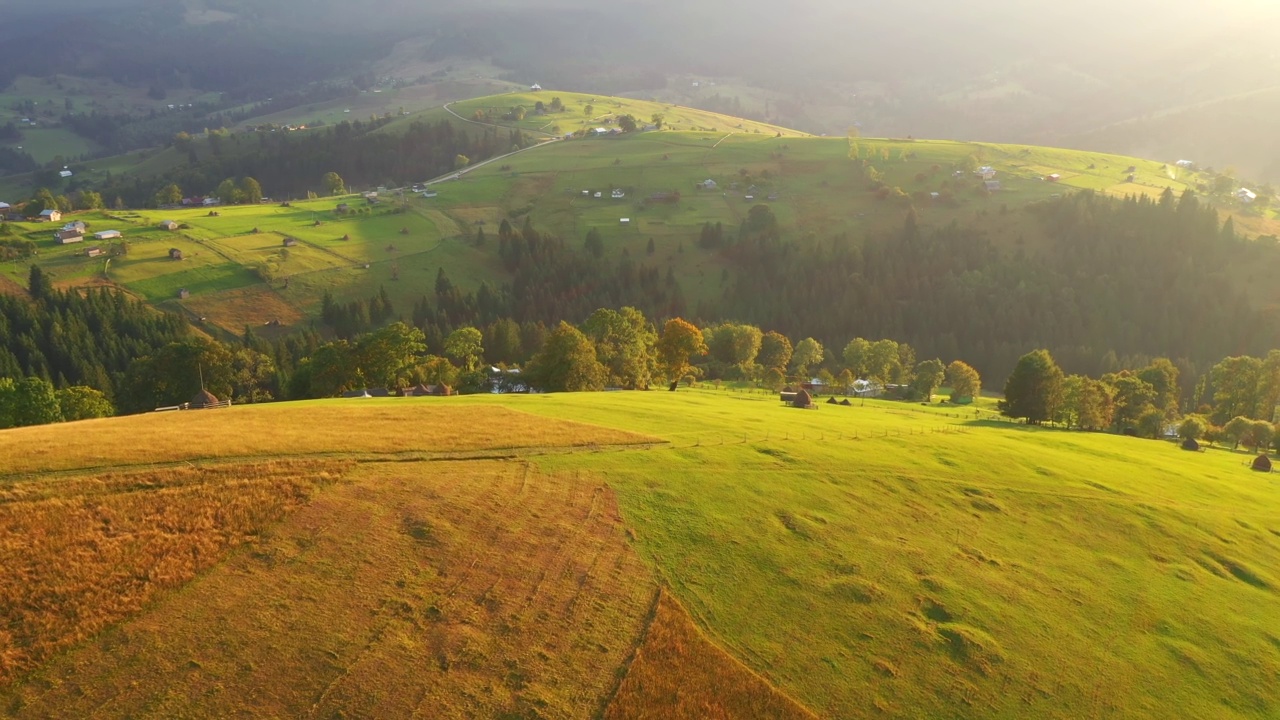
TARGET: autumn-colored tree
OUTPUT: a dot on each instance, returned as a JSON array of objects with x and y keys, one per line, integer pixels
[{"x": 680, "y": 341}]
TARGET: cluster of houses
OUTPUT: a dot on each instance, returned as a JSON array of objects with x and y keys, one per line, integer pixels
[
  {"x": 615, "y": 194},
  {"x": 75, "y": 233}
]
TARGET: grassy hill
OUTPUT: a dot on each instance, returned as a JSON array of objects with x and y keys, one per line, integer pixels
[
  {"x": 235, "y": 275},
  {"x": 504, "y": 555}
]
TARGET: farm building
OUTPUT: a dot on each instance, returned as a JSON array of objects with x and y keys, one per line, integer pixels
[
  {"x": 107, "y": 235},
  {"x": 1245, "y": 195},
  {"x": 985, "y": 172},
  {"x": 50, "y": 216},
  {"x": 183, "y": 294},
  {"x": 209, "y": 202},
  {"x": 93, "y": 251},
  {"x": 290, "y": 242},
  {"x": 867, "y": 388},
  {"x": 430, "y": 194},
  {"x": 624, "y": 221},
  {"x": 65, "y": 174},
  {"x": 4, "y": 207},
  {"x": 77, "y": 225},
  {"x": 535, "y": 87},
  {"x": 66, "y": 237},
  {"x": 1186, "y": 164},
  {"x": 618, "y": 194},
  {"x": 168, "y": 225},
  {"x": 1055, "y": 177},
  {"x": 708, "y": 185},
  {"x": 175, "y": 254}
]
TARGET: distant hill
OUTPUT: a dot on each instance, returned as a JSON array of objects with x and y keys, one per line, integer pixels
[{"x": 635, "y": 211}]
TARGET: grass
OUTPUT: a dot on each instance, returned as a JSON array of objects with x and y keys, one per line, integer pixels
[
  {"x": 709, "y": 684},
  {"x": 882, "y": 559},
  {"x": 82, "y": 553},
  {"x": 444, "y": 590}
]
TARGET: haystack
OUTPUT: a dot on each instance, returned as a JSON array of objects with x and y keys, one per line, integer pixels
[
  {"x": 846, "y": 403},
  {"x": 1262, "y": 463},
  {"x": 803, "y": 399},
  {"x": 832, "y": 401},
  {"x": 1191, "y": 445},
  {"x": 203, "y": 399}
]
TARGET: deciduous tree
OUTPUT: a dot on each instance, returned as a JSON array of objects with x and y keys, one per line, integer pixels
[
  {"x": 1034, "y": 389},
  {"x": 680, "y": 341},
  {"x": 567, "y": 363}
]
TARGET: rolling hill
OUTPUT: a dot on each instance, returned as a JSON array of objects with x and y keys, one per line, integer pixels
[
  {"x": 238, "y": 265},
  {"x": 582, "y": 555}
]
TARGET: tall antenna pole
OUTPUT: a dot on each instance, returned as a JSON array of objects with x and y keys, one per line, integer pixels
[{"x": 200, "y": 368}]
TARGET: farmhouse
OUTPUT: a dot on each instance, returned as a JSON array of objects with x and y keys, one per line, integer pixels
[
  {"x": 1055, "y": 177},
  {"x": 65, "y": 174},
  {"x": 4, "y": 207},
  {"x": 175, "y": 254},
  {"x": 1246, "y": 196},
  {"x": 168, "y": 225},
  {"x": 290, "y": 242},
  {"x": 986, "y": 172},
  {"x": 77, "y": 225},
  {"x": 535, "y": 87},
  {"x": 183, "y": 294},
  {"x": 618, "y": 194},
  {"x": 867, "y": 388},
  {"x": 93, "y": 251},
  {"x": 50, "y": 216},
  {"x": 209, "y": 202},
  {"x": 66, "y": 237},
  {"x": 707, "y": 185},
  {"x": 107, "y": 235},
  {"x": 1186, "y": 164},
  {"x": 624, "y": 221}
]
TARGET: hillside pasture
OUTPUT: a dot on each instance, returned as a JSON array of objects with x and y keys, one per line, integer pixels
[{"x": 149, "y": 271}]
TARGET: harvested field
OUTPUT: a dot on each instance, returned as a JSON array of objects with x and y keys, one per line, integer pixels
[
  {"x": 678, "y": 674},
  {"x": 431, "y": 590},
  {"x": 78, "y": 554},
  {"x": 395, "y": 425}
]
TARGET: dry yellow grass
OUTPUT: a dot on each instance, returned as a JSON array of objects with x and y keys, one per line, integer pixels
[
  {"x": 396, "y": 425},
  {"x": 78, "y": 554},
  {"x": 429, "y": 589},
  {"x": 679, "y": 674}
]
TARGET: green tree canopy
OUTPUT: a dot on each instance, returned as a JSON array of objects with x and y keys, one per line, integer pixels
[
  {"x": 567, "y": 363},
  {"x": 250, "y": 191},
  {"x": 963, "y": 380},
  {"x": 465, "y": 345},
  {"x": 775, "y": 351},
  {"x": 808, "y": 352},
  {"x": 928, "y": 376},
  {"x": 83, "y": 403},
  {"x": 333, "y": 184},
  {"x": 624, "y": 342},
  {"x": 1034, "y": 390}
]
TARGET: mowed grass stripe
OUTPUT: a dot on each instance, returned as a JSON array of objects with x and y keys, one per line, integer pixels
[{"x": 393, "y": 425}]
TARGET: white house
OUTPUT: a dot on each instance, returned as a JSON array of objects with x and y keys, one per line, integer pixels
[
  {"x": 535, "y": 87},
  {"x": 77, "y": 225},
  {"x": 208, "y": 202},
  {"x": 985, "y": 172},
  {"x": 107, "y": 235},
  {"x": 600, "y": 132},
  {"x": 618, "y": 194},
  {"x": 1185, "y": 164},
  {"x": 51, "y": 215},
  {"x": 1246, "y": 196},
  {"x": 867, "y": 388},
  {"x": 65, "y": 174},
  {"x": 707, "y": 184},
  {"x": 624, "y": 221}
]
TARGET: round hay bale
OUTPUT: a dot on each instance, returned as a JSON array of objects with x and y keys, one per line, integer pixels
[
  {"x": 1262, "y": 463},
  {"x": 803, "y": 399},
  {"x": 1190, "y": 445}
]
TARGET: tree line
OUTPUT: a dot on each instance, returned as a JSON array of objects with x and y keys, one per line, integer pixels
[{"x": 1235, "y": 402}]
